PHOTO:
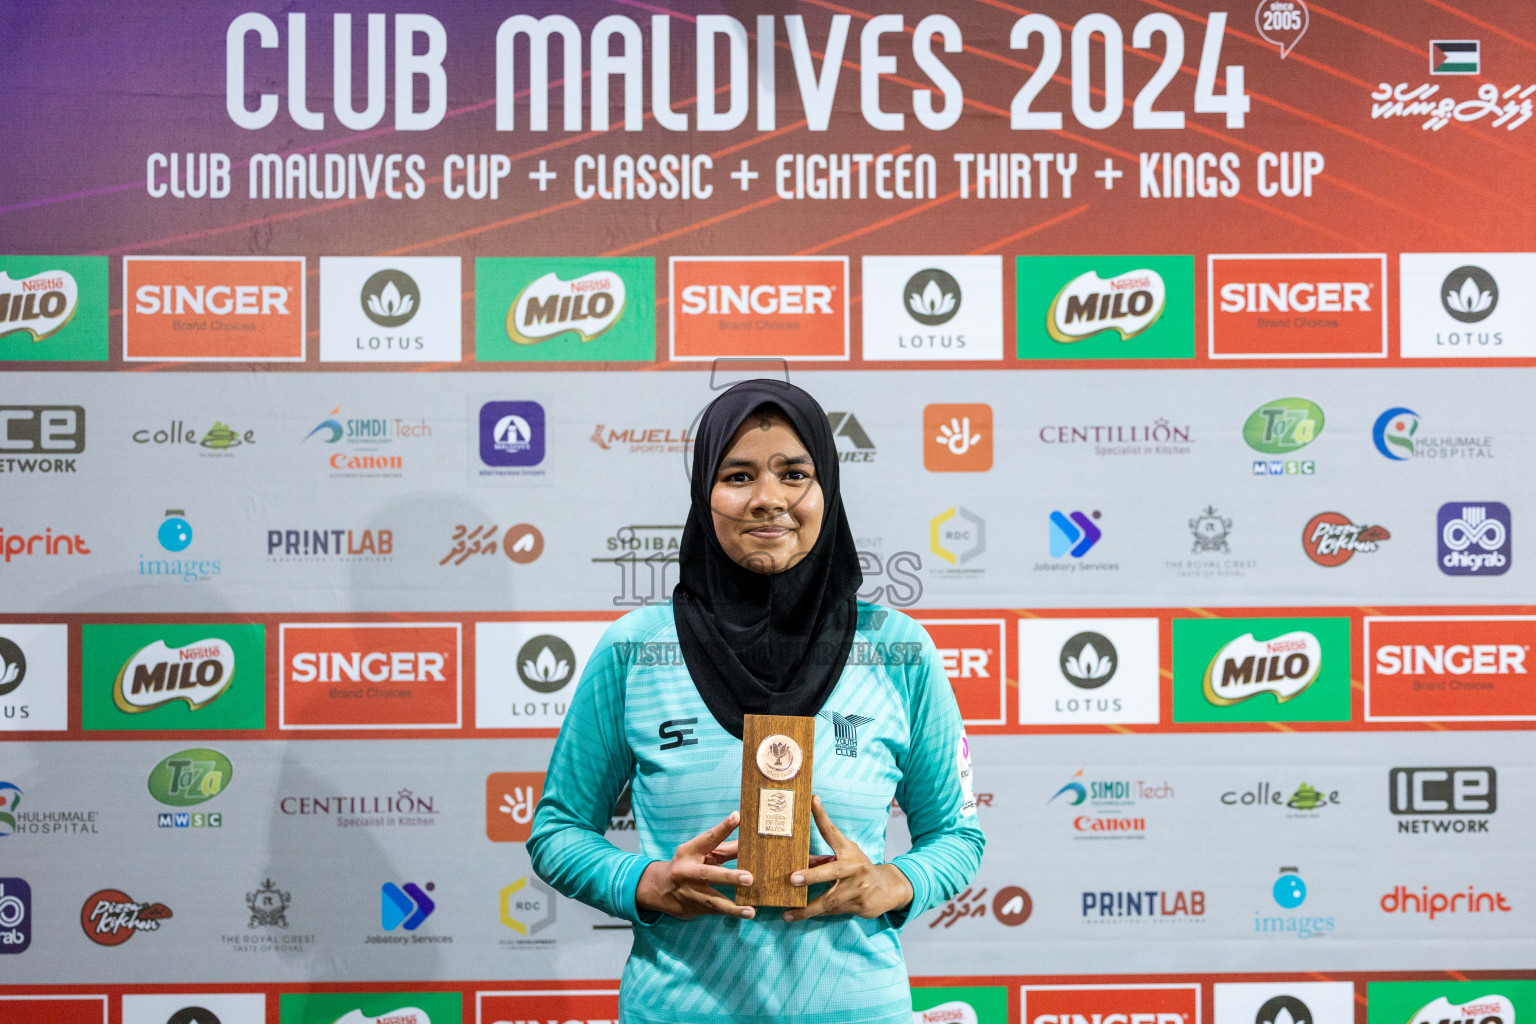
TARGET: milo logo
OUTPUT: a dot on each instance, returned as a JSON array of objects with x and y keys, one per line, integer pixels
[
  {"x": 40, "y": 304},
  {"x": 1127, "y": 304},
  {"x": 190, "y": 777},
  {"x": 158, "y": 674},
  {"x": 1245, "y": 668},
  {"x": 587, "y": 305}
]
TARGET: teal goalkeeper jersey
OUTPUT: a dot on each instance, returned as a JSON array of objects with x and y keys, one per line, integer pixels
[{"x": 890, "y": 729}]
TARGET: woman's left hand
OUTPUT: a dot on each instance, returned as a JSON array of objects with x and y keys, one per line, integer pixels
[{"x": 859, "y": 887}]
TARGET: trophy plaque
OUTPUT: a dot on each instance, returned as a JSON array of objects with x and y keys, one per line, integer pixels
[{"x": 775, "y": 830}]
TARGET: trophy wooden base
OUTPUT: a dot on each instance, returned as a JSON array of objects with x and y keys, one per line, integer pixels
[{"x": 775, "y": 830}]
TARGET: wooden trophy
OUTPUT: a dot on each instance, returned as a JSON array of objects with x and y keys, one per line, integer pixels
[{"x": 775, "y": 831}]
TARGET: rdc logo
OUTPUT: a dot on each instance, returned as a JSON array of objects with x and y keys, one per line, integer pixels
[
  {"x": 15, "y": 915},
  {"x": 1474, "y": 538}
]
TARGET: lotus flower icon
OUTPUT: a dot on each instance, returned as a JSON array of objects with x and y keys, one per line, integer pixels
[
  {"x": 932, "y": 301},
  {"x": 390, "y": 298},
  {"x": 1469, "y": 298},
  {"x": 8, "y": 673},
  {"x": 390, "y": 303},
  {"x": 932, "y": 296},
  {"x": 546, "y": 668},
  {"x": 1088, "y": 664},
  {"x": 1469, "y": 294}
]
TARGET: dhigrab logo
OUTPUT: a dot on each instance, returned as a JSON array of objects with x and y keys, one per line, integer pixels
[{"x": 1474, "y": 538}]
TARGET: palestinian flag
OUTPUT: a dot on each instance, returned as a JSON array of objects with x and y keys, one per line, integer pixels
[{"x": 1455, "y": 57}]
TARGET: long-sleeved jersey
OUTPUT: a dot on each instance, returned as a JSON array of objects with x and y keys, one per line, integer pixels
[{"x": 890, "y": 729}]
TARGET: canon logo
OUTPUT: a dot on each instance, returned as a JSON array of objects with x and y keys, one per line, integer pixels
[
  {"x": 373, "y": 667},
  {"x": 763, "y": 299},
  {"x": 1109, "y": 1018},
  {"x": 220, "y": 300},
  {"x": 1457, "y": 659},
  {"x": 965, "y": 662},
  {"x": 1298, "y": 297}
]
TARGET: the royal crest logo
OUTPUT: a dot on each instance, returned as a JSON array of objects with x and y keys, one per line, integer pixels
[
  {"x": 1245, "y": 668},
  {"x": 587, "y": 305},
  {"x": 110, "y": 917},
  {"x": 38, "y": 305},
  {"x": 268, "y": 906},
  {"x": 846, "y": 730},
  {"x": 1127, "y": 304},
  {"x": 158, "y": 674}
]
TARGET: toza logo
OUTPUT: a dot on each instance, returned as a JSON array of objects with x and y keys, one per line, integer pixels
[
  {"x": 1245, "y": 668},
  {"x": 932, "y": 297},
  {"x": 390, "y": 298},
  {"x": 1127, "y": 304},
  {"x": 548, "y": 307},
  {"x": 190, "y": 777},
  {"x": 158, "y": 674},
  {"x": 1283, "y": 425}
]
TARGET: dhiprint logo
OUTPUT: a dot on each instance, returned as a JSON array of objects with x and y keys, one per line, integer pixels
[
  {"x": 538, "y": 309},
  {"x": 1073, "y": 533},
  {"x": 1105, "y": 307},
  {"x": 1293, "y": 305},
  {"x": 1261, "y": 670},
  {"x": 1330, "y": 539},
  {"x": 1393, "y": 433},
  {"x": 405, "y": 906},
  {"x": 369, "y": 675},
  {"x": 510, "y": 800},
  {"x": 213, "y": 309},
  {"x": 1127, "y": 304},
  {"x": 1088, "y": 671},
  {"x": 932, "y": 297},
  {"x": 1456, "y": 57},
  {"x": 1285, "y": 1002},
  {"x": 846, "y": 730},
  {"x": 525, "y": 672},
  {"x": 1172, "y": 1003},
  {"x": 1469, "y": 294},
  {"x": 1474, "y": 539},
  {"x": 390, "y": 298},
  {"x": 110, "y": 917},
  {"x": 1431, "y": 667},
  {"x": 957, "y": 438},
  {"x": 1086, "y": 666},
  {"x": 920, "y": 308},
  {"x": 53, "y": 308},
  {"x": 957, "y": 535},
  {"x": 792, "y": 307},
  {"x": 15, "y": 915},
  {"x": 1452, "y": 305},
  {"x": 974, "y": 656},
  {"x": 1403, "y": 900},
  {"x": 34, "y": 661}
]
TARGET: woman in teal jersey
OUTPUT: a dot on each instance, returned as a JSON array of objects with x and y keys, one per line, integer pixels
[{"x": 765, "y": 619}]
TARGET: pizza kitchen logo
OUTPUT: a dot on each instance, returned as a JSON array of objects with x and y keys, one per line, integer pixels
[
  {"x": 1331, "y": 539},
  {"x": 157, "y": 674},
  {"x": 110, "y": 917},
  {"x": 1244, "y": 668},
  {"x": 39, "y": 305}
]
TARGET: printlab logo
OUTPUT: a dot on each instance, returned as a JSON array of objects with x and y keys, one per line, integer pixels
[
  {"x": 846, "y": 730},
  {"x": 268, "y": 906},
  {"x": 1443, "y": 800},
  {"x": 957, "y": 535},
  {"x": 931, "y": 297},
  {"x": 957, "y": 438},
  {"x": 1331, "y": 539},
  {"x": 1282, "y": 427},
  {"x": 1088, "y": 660},
  {"x": 1469, "y": 294},
  {"x": 1474, "y": 539},
  {"x": 15, "y": 915},
  {"x": 1455, "y": 57},
  {"x": 1136, "y": 905},
  {"x": 1073, "y": 533},
  {"x": 1290, "y": 892},
  {"x": 405, "y": 906},
  {"x": 510, "y": 799},
  {"x": 390, "y": 298},
  {"x": 44, "y": 432},
  {"x": 110, "y": 917},
  {"x": 853, "y": 444}
]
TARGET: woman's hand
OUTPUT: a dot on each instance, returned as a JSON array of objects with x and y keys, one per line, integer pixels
[
  {"x": 681, "y": 887},
  {"x": 860, "y": 887}
]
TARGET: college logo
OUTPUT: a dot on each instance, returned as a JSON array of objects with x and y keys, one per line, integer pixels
[
  {"x": 565, "y": 309},
  {"x": 957, "y": 438},
  {"x": 510, "y": 799},
  {"x": 1330, "y": 539},
  {"x": 933, "y": 307},
  {"x": 1455, "y": 57},
  {"x": 213, "y": 309},
  {"x": 1297, "y": 306},
  {"x": 571, "y": 1006},
  {"x": 53, "y": 308},
  {"x": 1453, "y": 306},
  {"x": 1430, "y": 1002},
  {"x": 1304, "y": 800},
  {"x": 371, "y": 1007},
  {"x": 1431, "y": 667},
  {"x": 34, "y": 437},
  {"x": 525, "y": 672},
  {"x": 793, "y": 307},
  {"x": 174, "y": 676},
  {"x": 1102, "y": 307},
  {"x": 1438, "y": 793},
  {"x": 405, "y": 906},
  {"x": 215, "y": 442},
  {"x": 34, "y": 662},
  {"x": 369, "y": 675},
  {"x": 190, "y": 777},
  {"x": 15, "y": 915},
  {"x": 1261, "y": 670},
  {"x": 1094, "y": 671},
  {"x": 110, "y": 917},
  {"x": 1280, "y": 1002},
  {"x": 1474, "y": 540},
  {"x": 390, "y": 309},
  {"x": 974, "y": 655}
]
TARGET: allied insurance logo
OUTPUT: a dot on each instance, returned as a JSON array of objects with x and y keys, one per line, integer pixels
[
  {"x": 1177, "y": 1003},
  {"x": 565, "y": 309},
  {"x": 1261, "y": 670},
  {"x": 213, "y": 309},
  {"x": 1424, "y": 668},
  {"x": 1105, "y": 307},
  {"x": 369, "y": 675},
  {"x": 794, "y": 307},
  {"x": 1294, "y": 305}
]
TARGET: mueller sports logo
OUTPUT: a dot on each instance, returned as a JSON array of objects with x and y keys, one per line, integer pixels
[
  {"x": 1474, "y": 539},
  {"x": 34, "y": 437},
  {"x": 39, "y": 305},
  {"x": 158, "y": 674},
  {"x": 1489, "y": 1009},
  {"x": 369, "y": 675},
  {"x": 1443, "y": 800},
  {"x": 110, "y": 917},
  {"x": 1127, "y": 304},
  {"x": 195, "y": 309},
  {"x": 569, "y": 1006},
  {"x": 1110, "y": 1004},
  {"x": 1330, "y": 539},
  {"x": 973, "y": 653},
  {"x": 1430, "y": 667},
  {"x": 548, "y": 307},
  {"x": 1293, "y": 305},
  {"x": 1245, "y": 668},
  {"x": 791, "y": 307}
]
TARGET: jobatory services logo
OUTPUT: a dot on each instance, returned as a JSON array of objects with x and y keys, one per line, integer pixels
[
  {"x": 1282, "y": 427},
  {"x": 1455, "y": 57},
  {"x": 925, "y": 308},
  {"x": 1331, "y": 538},
  {"x": 957, "y": 438},
  {"x": 405, "y": 907},
  {"x": 177, "y": 676},
  {"x": 510, "y": 798},
  {"x": 15, "y": 916},
  {"x": 371, "y": 1007},
  {"x": 1466, "y": 305},
  {"x": 974, "y": 654},
  {"x": 526, "y": 672},
  {"x": 369, "y": 675},
  {"x": 1284, "y": 1001},
  {"x": 1474, "y": 538},
  {"x": 569, "y": 1006},
  {"x": 1397, "y": 437},
  {"x": 791, "y": 307},
  {"x": 1261, "y": 670},
  {"x": 1073, "y": 533},
  {"x": 110, "y": 917},
  {"x": 53, "y": 308},
  {"x": 213, "y": 309},
  {"x": 1105, "y": 307},
  {"x": 564, "y": 310},
  {"x": 34, "y": 674},
  {"x": 1501, "y": 1001},
  {"x": 1109, "y": 808},
  {"x": 971, "y": 1004},
  {"x": 1296, "y": 305},
  {"x": 1163, "y": 1003},
  {"x": 41, "y": 438},
  {"x": 196, "y": 1008},
  {"x": 366, "y": 447},
  {"x": 1088, "y": 671},
  {"x": 390, "y": 309},
  {"x": 1429, "y": 668},
  {"x": 1439, "y": 801}
]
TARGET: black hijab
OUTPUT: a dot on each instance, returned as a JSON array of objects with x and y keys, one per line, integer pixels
[{"x": 765, "y": 643}]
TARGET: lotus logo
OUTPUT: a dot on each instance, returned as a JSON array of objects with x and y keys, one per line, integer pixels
[
  {"x": 1469, "y": 294},
  {"x": 546, "y": 663},
  {"x": 1088, "y": 660},
  {"x": 1245, "y": 668},
  {"x": 1127, "y": 304},
  {"x": 390, "y": 298},
  {"x": 13, "y": 666},
  {"x": 549, "y": 307},
  {"x": 932, "y": 297}
]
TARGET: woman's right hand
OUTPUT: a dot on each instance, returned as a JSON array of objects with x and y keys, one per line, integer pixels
[{"x": 681, "y": 887}]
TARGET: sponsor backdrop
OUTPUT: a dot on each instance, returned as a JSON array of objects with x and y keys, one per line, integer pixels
[{"x": 1179, "y": 357}]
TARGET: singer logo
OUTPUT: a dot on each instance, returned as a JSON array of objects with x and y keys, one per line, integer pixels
[
  {"x": 1468, "y": 667},
  {"x": 573, "y": 1006},
  {"x": 234, "y": 308},
  {"x": 975, "y": 660},
  {"x": 957, "y": 438},
  {"x": 510, "y": 798},
  {"x": 1315, "y": 307},
  {"x": 1110, "y": 1004},
  {"x": 369, "y": 675},
  {"x": 793, "y": 307}
]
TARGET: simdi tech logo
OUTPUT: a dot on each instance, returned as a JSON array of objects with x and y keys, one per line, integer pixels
[
  {"x": 922, "y": 308},
  {"x": 1425, "y": 668},
  {"x": 565, "y": 310},
  {"x": 1172, "y": 1003},
  {"x": 213, "y": 309},
  {"x": 390, "y": 310},
  {"x": 1500, "y": 1001},
  {"x": 34, "y": 676},
  {"x": 1297, "y": 306},
  {"x": 1261, "y": 670},
  {"x": 1105, "y": 307},
  {"x": 792, "y": 307},
  {"x": 370, "y": 1008},
  {"x": 369, "y": 675},
  {"x": 178, "y": 676},
  {"x": 53, "y": 308},
  {"x": 1466, "y": 305}
]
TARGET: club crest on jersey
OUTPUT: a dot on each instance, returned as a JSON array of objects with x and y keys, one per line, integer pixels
[{"x": 845, "y": 730}]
